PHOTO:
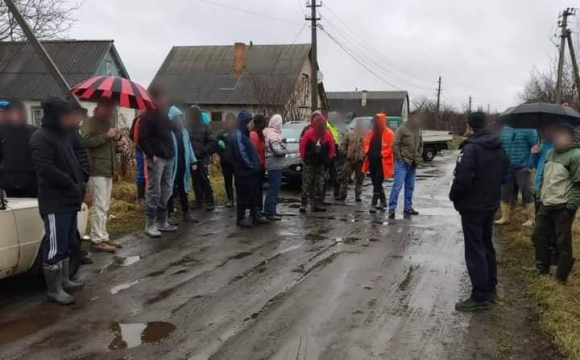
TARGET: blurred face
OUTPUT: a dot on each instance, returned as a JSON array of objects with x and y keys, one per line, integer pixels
[
  {"x": 320, "y": 127},
  {"x": 16, "y": 117},
  {"x": 251, "y": 125},
  {"x": 162, "y": 101},
  {"x": 562, "y": 138},
  {"x": 3, "y": 116},
  {"x": 547, "y": 132},
  {"x": 70, "y": 121},
  {"x": 230, "y": 122},
  {"x": 105, "y": 111}
]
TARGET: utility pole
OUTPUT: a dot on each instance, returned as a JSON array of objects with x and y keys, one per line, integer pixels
[
  {"x": 469, "y": 106},
  {"x": 438, "y": 96},
  {"x": 574, "y": 63},
  {"x": 563, "y": 36},
  {"x": 314, "y": 78},
  {"x": 488, "y": 109},
  {"x": 40, "y": 51}
]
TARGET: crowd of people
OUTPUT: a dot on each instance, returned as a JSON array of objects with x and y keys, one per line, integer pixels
[
  {"x": 495, "y": 166},
  {"x": 72, "y": 155}
]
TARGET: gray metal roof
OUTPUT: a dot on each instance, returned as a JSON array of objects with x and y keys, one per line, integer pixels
[
  {"x": 24, "y": 76},
  {"x": 205, "y": 74},
  {"x": 350, "y": 102}
]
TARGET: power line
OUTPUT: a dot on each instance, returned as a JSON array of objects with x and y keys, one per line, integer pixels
[
  {"x": 357, "y": 60},
  {"x": 299, "y": 33},
  {"x": 251, "y": 12}
]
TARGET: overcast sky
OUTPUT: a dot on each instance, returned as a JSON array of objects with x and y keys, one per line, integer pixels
[{"x": 486, "y": 49}]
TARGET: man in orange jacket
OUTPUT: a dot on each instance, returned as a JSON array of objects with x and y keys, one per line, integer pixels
[{"x": 378, "y": 147}]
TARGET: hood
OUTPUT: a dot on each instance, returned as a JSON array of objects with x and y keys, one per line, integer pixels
[
  {"x": 483, "y": 138},
  {"x": 174, "y": 113},
  {"x": 53, "y": 108},
  {"x": 205, "y": 118},
  {"x": 382, "y": 121},
  {"x": 194, "y": 116},
  {"x": 276, "y": 122},
  {"x": 244, "y": 118},
  {"x": 317, "y": 119}
]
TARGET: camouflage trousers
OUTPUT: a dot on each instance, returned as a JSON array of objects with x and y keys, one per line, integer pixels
[
  {"x": 313, "y": 178},
  {"x": 348, "y": 169}
]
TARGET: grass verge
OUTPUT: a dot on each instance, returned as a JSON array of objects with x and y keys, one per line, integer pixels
[{"x": 558, "y": 305}]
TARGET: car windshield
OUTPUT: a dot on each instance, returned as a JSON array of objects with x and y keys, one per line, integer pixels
[{"x": 292, "y": 132}]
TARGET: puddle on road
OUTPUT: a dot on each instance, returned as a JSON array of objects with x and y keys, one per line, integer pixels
[
  {"x": 128, "y": 336},
  {"x": 121, "y": 287},
  {"x": 16, "y": 329},
  {"x": 119, "y": 261}
]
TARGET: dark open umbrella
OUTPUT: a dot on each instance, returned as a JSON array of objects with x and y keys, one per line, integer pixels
[
  {"x": 532, "y": 116},
  {"x": 124, "y": 92}
]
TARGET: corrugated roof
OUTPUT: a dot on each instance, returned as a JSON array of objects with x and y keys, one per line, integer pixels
[
  {"x": 24, "y": 76},
  {"x": 205, "y": 74},
  {"x": 350, "y": 102}
]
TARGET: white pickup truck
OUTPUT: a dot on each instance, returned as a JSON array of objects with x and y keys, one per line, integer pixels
[
  {"x": 433, "y": 141},
  {"x": 21, "y": 234}
]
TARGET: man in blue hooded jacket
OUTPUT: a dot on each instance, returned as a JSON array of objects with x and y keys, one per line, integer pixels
[{"x": 244, "y": 158}]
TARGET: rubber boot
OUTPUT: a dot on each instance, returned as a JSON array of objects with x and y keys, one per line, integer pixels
[
  {"x": 505, "y": 214},
  {"x": 336, "y": 190},
  {"x": 150, "y": 226},
  {"x": 68, "y": 284},
  {"x": 357, "y": 197},
  {"x": 172, "y": 219},
  {"x": 317, "y": 206},
  {"x": 188, "y": 218},
  {"x": 163, "y": 224},
  {"x": 303, "y": 205},
  {"x": 243, "y": 221},
  {"x": 141, "y": 194},
  {"x": 210, "y": 206},
  {"x": 383, "y": 199},
  {"x": 259, "y": 218},
  {"x": 55, "y": 292},
  {"x": 531, "y": 208},
  {"x": 563, "y": 271},
  {"x": 374, "y": 203}
]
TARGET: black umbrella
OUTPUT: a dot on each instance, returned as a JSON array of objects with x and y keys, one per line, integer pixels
[{"x": 532, "y": 116}]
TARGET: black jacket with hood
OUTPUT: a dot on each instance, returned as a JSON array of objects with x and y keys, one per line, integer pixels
[
  {"x": 202, "y": 140},
  {"x": 58, "y": 170},
  {"x": 17, "y": 173},
  {"x": 481, "y": 169}
]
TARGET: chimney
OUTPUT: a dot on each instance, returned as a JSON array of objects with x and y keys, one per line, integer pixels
[
  {"x": 240, "y": 58},
  {"x": 364, "y": 96}
]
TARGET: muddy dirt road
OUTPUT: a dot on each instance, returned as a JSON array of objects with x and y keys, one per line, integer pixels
[{"x": 343, "y": 285}]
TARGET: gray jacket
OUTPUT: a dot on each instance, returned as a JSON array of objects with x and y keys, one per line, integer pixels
[{"x": 275, "y": 155}]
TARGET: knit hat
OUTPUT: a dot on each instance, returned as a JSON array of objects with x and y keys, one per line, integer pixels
[
  {"x": 174, "y": 113},
  {"x": 244, "y": 118},
  {"x": 564, "y": 126},
  {"x": 476, "y": 120}
]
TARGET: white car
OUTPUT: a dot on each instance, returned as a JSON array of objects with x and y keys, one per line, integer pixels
[{"x": 21, "y": 233}]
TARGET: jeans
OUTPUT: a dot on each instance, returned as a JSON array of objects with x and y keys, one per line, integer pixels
[
  {"x": 60, "y": 233},
  {"x": 159, "y": 185},
  {"x": 480, "y": 253},
  {"x": 274, "y": 183},
  {"x": 404, "y": 175},
  {"x": 101, "y": 188}
]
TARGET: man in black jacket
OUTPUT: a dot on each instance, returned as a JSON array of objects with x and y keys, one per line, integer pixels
[
  {"x": 204, "y": 145},
  {"x": 17, "y": 174},
  {"x": 156, "y": 142},
  {"x": 481, "y": 169},
  {"x": 60, "y": 195}
]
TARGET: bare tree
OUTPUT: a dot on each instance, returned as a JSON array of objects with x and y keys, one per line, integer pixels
[
  {"x": 449, "y": 117},
  {"x": 49, "y": 19},
  {"x": 279, "y": 95}
]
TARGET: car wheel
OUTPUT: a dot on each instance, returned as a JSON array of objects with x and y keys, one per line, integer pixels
[{"x": 429, "y": 154}]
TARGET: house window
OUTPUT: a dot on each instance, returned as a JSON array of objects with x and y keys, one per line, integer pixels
[
  {"x": 216, "y": 116},
  {"x": 109, "y": 69},
  {"x": 36, "y": 115}
]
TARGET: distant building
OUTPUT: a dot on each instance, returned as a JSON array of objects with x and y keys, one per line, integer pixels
[
  {"x": 223, "y": 80},
  {"x": 368, "y": 103},
  {"x": 24, "y": 77}
]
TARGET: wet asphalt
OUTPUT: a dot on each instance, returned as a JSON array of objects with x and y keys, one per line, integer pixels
[{"x": 345, "y": 284}]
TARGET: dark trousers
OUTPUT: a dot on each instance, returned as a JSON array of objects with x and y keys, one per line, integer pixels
[
  {"x": 201, "y": 184},
  {"x": 228, "y": 174},
  {"x": 261, "y": 178},
  {"x": 377, "y": 175},
  {"x": 179, "y": 193},
  {"x": 248, "y": 197},
  {"x": 60, "y": 235},
  {"x": 480, "y": 253},
  {"x": 554, "y": 226}
]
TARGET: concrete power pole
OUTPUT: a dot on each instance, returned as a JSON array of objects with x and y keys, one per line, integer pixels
[
  {"x": 563, "y": 36},
  {"x": 314, "y": 78},
  {"x": 40, "y": 51},
  {"x": 438, "y": 96},
  {"x": 574, "y": 63},
  {"x": 469, "y": 105}
]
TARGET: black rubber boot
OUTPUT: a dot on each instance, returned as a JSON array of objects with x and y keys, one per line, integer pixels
[
  {"x": 563, "y": 271},
  {"x": 140, "y": 193},
  {"x": 357, "y": 197},
  {"x": 317, "y": 206},
  {"x": 68, "y": 284},
  {"x": 337, "y": 190},
  {"x": 243, "y": 221},
  {"x": 188, "y": 218},
  {"x": 163, "y": 224},
  {"x": 55, "y": 292},
  {"x": 383, "y": 199},
  {"x": 303, "y": 206},
  {"x": 259, "y": 218},
  {"x": 374, "y": 203},
  {"x": 471, "y": 305}
]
